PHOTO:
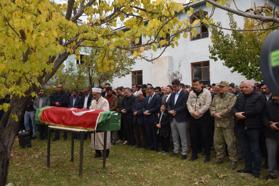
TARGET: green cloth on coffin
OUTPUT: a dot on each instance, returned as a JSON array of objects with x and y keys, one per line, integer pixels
[
  {"x": 109, "y": 121},
  {"x": 37, "y": 116}
]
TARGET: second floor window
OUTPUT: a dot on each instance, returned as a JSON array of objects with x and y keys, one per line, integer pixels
[{"x": 200, "y": 30}]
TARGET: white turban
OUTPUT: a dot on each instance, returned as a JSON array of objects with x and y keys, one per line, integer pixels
[{"x": 97, "y": 90}]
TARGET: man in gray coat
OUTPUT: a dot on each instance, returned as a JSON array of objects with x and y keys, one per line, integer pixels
[{"x": 40, "y": 101}]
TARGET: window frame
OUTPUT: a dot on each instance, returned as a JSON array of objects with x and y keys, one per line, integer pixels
[
  {"x": 136, "y": 74},
  {"x": 201, "y": 64},
  {"x": 202, "y": 35}
]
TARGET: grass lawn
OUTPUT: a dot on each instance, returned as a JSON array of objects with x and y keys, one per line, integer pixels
[{"x": 125, "y": 166}]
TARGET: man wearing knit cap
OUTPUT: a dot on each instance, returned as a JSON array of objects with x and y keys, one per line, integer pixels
[{"x": 99, "y": 102}]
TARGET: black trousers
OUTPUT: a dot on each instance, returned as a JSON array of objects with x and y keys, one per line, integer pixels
[
  {"x": 164, "y": 143},
  {"x": 124, "y": 128},
  {"x": 151, "y": 137},
  {"x": 200, "y": 132},
  {"x": 121, "y": 133},
  {"x": 139, "y": 134},
  {"x": 250, "y": 139},
  {"x": 43, "y": 131},
  {"x": 128, "y": 127}
]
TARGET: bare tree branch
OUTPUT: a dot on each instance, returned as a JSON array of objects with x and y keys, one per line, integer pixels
[
  {"x": 110, "y": 17},
  {"x": 157, "y": 57},
  {"x": 144, "y": 10},
  {"x": 57, "y": 61},
  {"x": 81, "y": 10},
  {"x": 130, "y": 14},
  {"x": 13, "y": 29},
  {"x": 244, "y": 14},
  {"x": 245, "y": 30},
  {"x": 236, "y": 6},
  {"x": 212, "y": 12},
  {"x": 70, "y": 9}
]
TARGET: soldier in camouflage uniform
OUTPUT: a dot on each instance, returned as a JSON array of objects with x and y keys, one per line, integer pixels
[{"x": 220, "y": 109}]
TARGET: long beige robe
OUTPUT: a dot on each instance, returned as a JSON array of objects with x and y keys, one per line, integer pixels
[{"x": 97, "y": 139}]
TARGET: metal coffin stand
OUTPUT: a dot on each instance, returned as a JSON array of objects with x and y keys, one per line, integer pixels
[{"x": 81, "y": 133}]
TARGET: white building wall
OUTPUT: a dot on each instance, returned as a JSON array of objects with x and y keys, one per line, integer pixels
[
  {"x": 71, "y": 60},
  {"x": 179, "y": 59},
  {"x": 189, "y": 52}
]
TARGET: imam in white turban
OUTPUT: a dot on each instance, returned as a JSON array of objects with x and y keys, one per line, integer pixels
[{"x": 97, "y": 90}]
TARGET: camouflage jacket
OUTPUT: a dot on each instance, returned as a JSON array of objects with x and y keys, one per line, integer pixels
[{"x": 223, "y": 104}]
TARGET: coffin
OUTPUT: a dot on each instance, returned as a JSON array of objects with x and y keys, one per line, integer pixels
[{"x": 89, "y": 119}]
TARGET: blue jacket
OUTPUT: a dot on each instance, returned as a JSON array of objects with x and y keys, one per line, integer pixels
[
  {"x": 153, "y": 107},
  {"x": 139, "y": 108},
  {"x": 180, "y": 106}
]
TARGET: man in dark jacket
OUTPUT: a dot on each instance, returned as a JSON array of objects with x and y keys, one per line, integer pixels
[
  {"x": 86, "y": 98},
  {"x": 272, "y": 135},
  {"x": 127, "y": 113},
  {"x": 178, "y": 112},
  {"x": 167, "y": 95},
  {"x": 248, "y": 112},
  {"x": 59, "y": 99},
  {"x": 139, "y": 119},
  {"x": 120, "y": 133},
  {"x": 266, "y": 92},
  {"x": 151, "y": 109},
  {"x": 74, "y": 100}
]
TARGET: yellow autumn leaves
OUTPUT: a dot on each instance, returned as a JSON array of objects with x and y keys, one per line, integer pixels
[
  {"x": 29, "y": 36},
  {"x": 34, "y": 33}
]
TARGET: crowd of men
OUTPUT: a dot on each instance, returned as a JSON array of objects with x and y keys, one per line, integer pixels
[{"x": 239, "y": 122}]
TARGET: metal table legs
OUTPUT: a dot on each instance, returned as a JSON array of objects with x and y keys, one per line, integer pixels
[{"x": 81, "y": 150}]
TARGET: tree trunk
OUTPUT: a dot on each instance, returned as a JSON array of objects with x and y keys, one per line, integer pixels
[
  {"x": 8, "y": 131},
  {"x": 90, "y": 77}
]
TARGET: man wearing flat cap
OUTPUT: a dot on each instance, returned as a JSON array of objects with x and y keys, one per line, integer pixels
[
  {"x": 221, "y": 110},
  {"x": 99, "y": 102}
]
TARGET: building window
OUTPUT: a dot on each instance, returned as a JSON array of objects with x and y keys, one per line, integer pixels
[
  {"x": 80, "y": 59},
  {"x": 137, "y": 77},
  {"x": 200, "y": 30},
  {"x": 200, "y": 71}
]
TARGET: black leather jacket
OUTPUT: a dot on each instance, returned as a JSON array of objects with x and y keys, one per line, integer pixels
[{"x": 253, "y": 107}]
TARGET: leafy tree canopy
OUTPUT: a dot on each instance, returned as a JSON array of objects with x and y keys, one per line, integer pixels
[
  {"x": 119, "y": 65},
  {"x": 240, "y": 49},
  {"x": 37, "y": 36}
]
